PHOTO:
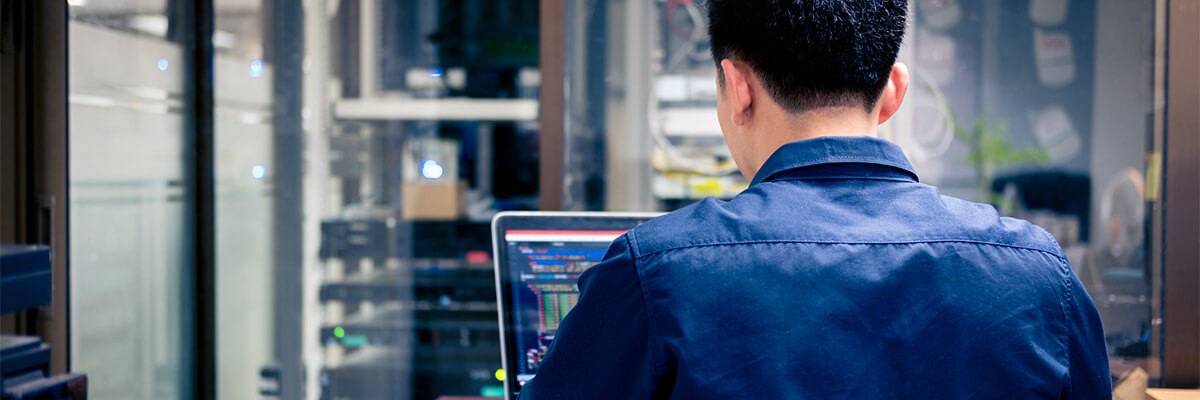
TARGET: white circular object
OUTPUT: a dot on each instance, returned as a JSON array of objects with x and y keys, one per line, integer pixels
[
  {"x": 430, "y": 169},
  {"x": 1123, "y": 213}
]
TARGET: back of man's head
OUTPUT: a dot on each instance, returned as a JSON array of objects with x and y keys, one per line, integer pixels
[{"x": 811, "y": 54}]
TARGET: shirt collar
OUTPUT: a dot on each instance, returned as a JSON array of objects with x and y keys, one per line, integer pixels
[{"x": 835, "y": 150}]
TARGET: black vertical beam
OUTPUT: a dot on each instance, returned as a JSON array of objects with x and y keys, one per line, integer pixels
[
  {"x": 33, "y": 155},
  {"x": 550, "y": 108},
  {"x": 195, "y": 23},
  {"x": 48, "y": 197},
  {"x": 596, "y": 32},
  {"x": 285, "y": 45}
]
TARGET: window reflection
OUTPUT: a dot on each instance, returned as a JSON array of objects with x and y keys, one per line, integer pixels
[{"x": 1045, "y": 109}]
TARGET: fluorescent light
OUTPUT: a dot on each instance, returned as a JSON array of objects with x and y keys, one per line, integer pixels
[
  {"x": 89, "y": 100},
  {"x": 223, "y": 40},
  {"x": 148, "y": 92},
  {"x": 155, "y": 25}
]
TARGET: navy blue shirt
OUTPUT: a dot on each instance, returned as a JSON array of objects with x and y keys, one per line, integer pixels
[{"x": 834, "y": 275}]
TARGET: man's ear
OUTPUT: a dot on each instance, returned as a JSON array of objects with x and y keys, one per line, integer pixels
[
  {"x": 737, "y": 83},
  {"x": 893, "y": 93}
]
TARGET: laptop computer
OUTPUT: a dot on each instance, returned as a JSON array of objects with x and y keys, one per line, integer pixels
[{"x": 539, "y": 257}]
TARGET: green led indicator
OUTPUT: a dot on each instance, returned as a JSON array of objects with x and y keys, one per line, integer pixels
[
  {"x": 354, "y": 341},
  {"x": 339, "y": 332},
  {"x": 492, "y": 391}
]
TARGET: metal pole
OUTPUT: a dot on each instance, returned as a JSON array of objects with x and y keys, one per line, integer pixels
[
  {"x": 317, "y": 183},
  {"x": 287, "y": 45}
]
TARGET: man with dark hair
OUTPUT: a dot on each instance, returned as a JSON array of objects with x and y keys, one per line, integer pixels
[{"x": 836, "y": 274}]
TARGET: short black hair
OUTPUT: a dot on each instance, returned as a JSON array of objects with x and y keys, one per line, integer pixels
[{"x": 811, "y": 54}]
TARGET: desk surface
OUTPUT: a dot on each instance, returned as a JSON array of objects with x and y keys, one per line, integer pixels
[{"x": 1173, "y": 394}]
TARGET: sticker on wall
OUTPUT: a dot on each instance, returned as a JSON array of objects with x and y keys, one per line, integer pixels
[
  {"x": 1048, "y": 13},
  {"x": 939, "y": 14},
  {"x": 936, "y": 55},
  {"x": 1055, "y": 58},
  {"x": 1056, "y": 133}
]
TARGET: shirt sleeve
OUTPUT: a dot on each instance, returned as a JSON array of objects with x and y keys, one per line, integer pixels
[
  {"x": 1088, "y": 355},
  {"x": 602, "y": 349}
]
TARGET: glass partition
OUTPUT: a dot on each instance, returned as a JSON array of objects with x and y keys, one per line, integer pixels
[
  {"x": 1049, "y": 110},
  {"x": 244, "y": 141},
  {"x": 362, "y": 149},
  {"x": 130, "y": 247}
]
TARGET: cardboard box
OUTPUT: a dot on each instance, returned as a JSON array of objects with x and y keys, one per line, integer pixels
[
  {"x": 432, "y": 201},
  {"x": 1129, "y": 381}
]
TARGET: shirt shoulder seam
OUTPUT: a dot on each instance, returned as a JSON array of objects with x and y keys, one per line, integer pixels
[
  {"x": 650, "y": 331},
  {"x": 630, "y": 236},
  {"x": 852, "y": 242},
  {"x": 839, "y": 178},
  {"x": 1068, "y": 299}
]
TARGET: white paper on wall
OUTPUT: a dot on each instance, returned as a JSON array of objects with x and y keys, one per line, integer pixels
[
  {"x": 940, "y": 14},
  {"x": 1055, "y": 58},
  {"x": 1048, "y": 13},
  {"x": 1056, "y": 133}
]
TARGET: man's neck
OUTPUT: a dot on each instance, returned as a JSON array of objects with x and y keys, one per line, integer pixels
[{"x": 783, "y": 128}]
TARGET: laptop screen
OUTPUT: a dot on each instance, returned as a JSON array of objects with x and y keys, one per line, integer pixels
[{"x": 544, "y": 269}]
